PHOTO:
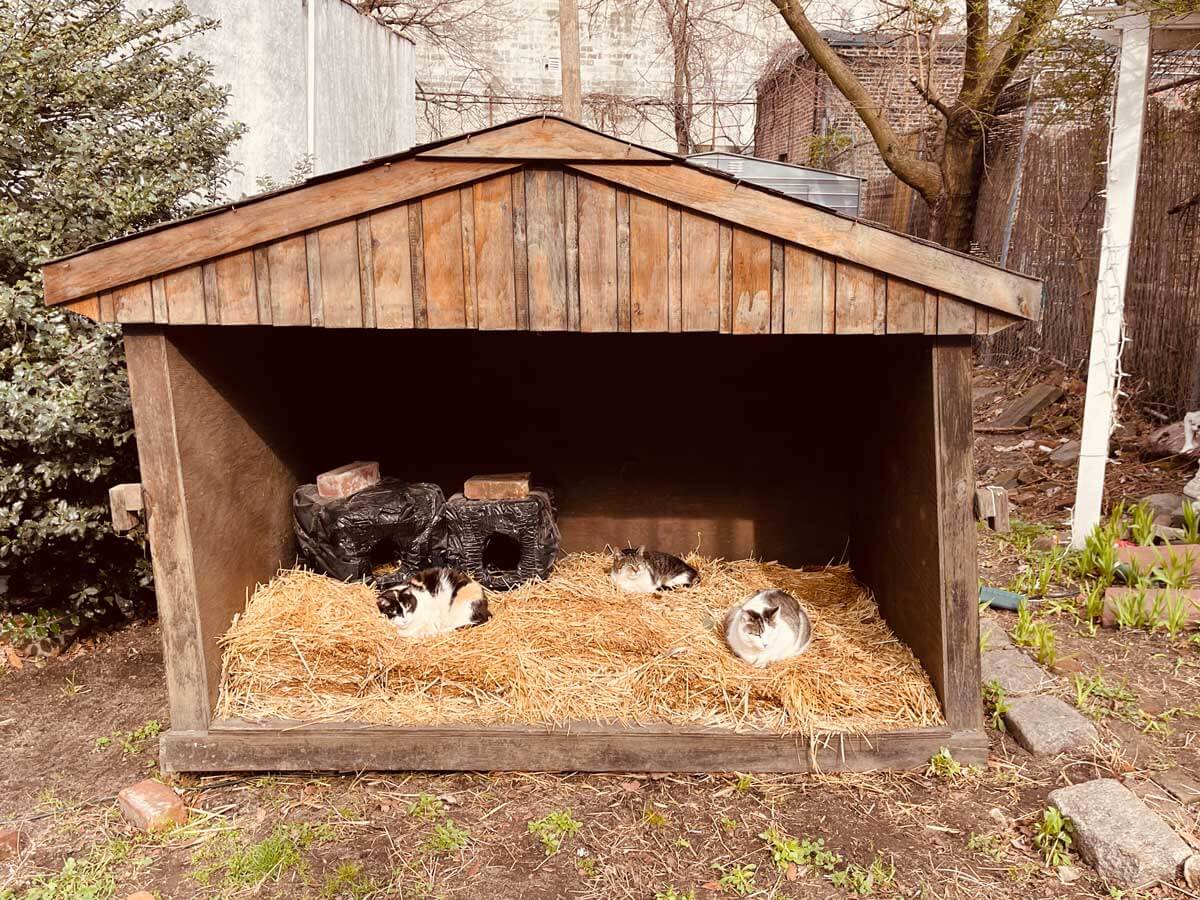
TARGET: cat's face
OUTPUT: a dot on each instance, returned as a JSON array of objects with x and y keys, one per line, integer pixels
[
  {"x": 757, "y": 626},
  {"x": 631, "y": 564},
  {"x": 398, "y": 603}
]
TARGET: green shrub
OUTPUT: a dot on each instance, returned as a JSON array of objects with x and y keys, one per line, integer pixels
[{"x": 115, "y": 131}]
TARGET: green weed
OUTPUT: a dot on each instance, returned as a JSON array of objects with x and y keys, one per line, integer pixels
[
  {"x": 943, "y": 765},
  {"x": 863, "y": 880},
  {"x": 588, "y": 867},
  {"x": 348, "y": 881},
  {"x": 1142, "y": 527},
  {"x": 787, "y": 851},
  {"x": 1191, "y": 523},
  {"x": 1052, "y": 837},
  {"x": 273, "y": 857},
  {"x": 1094, "y": 603},
  {"x": 743, "y": 784},
  {"x": 673, "y": 893},
  {"x": 426, "y": 806},
  {"x": 737, "y": 879},
  {"x": 652, "y": 817},
  {"x": 553, "y": 828},
  {"x": 994, "y": 704},
  {"x": 79, "y": 879},
  {"x": 989, "y": 845},
  {"x": 446, "y": 838},
  {"x": 1130, "y": 608},
  {"x": 730, "y": 825},
  {"x": 1179, "y": 608},
  {"x": 1175, "y": 570},
  {"x": 1037, "y": 635}
]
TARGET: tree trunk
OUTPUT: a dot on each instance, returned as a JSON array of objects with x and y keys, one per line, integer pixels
[
  {"x": 962, "y": 174},
  {"x": 681, "y": 104}
]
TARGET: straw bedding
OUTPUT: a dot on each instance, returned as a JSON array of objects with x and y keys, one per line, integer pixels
[{"x": 572, "y": 648}]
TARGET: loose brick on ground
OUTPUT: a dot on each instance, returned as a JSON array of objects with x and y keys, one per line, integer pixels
[
  {"x": 1046, "y": 725},
  {"x": 152, "y": 806},
  {"x": 1014, "y": 671}
]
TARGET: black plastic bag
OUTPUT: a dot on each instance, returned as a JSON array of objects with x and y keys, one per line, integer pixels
[
  {"x": 502, "y": 543},
  {"x": 389, "y": 522}
]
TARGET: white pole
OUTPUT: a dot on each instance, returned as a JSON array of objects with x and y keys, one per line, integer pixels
[{"x": 1104, "y": 361}]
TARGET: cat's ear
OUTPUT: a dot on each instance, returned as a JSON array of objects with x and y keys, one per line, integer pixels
[
  {"x": 768, "y": 614},
  {"x": 641, "y": 550}
]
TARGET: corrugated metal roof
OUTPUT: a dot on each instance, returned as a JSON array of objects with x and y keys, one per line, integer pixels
[{"x": 833, "y": 190}]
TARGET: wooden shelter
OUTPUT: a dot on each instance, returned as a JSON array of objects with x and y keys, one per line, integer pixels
[{"x": 541, "y": 296}]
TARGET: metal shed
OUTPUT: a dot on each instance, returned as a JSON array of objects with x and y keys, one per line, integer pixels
[
  {"x": 835, "y": 190},
  {"x": 521, "y": 277}
]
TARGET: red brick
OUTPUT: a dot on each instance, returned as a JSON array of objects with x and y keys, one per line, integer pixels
[
  {"x": 152, "y": 806},
  {"x": 346, "y": 480},
  {"x": 141, "y": 895},
  {"x": 510, "y": 486},
  {"x": 10, "y": 843}
]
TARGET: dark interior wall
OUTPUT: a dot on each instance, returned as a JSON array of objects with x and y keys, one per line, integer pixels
[{"x": 739, "y": 445}]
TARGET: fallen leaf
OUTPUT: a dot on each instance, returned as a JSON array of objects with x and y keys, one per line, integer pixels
[
  {"x": 631, "y": 787},
  {"x": 13, "y": 659},
  {"x": 791, "y": 873},
  {"x": 1067, "y": 874},
  {"x": 711, "y": 886}
]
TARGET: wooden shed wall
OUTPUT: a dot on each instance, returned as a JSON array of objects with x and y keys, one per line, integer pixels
[{"x": 541, "y": 249}]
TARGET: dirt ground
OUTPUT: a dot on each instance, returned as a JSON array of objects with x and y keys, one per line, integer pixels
[{"x": 76, "y": 729}]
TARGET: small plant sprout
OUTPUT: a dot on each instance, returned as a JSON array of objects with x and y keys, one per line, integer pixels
[
  {"x": 1115, "y": 526},
  {"x": 989, "y": 845},
  {"x": 1142, "y": 527},
  {"x": 743, "y": 783},
  {"x": 1022, "y": 631},
  {"x": 1130, "y": 608},
  {"x": 1179, "y": 607},
  {"x": 1094, "y": 603},
  {"x": 1052, "y": 837},
  {"x": 553, "y": 828},
  {"x": 426, "y": 806},
  {"x": 787, "y": 851},
  {"x": 673, "y": 893},
  {"x": 863, "y": 880},
  {"x": 943, "y": 765},
  {"x": 1099, "y": 556},
  {"x": 1191, "y": 523},
  {"x": 447, "y": 837},
  {"x": 737, "y": 880},
  {"x": 995, "y": 704},
  {"x": 652, "y": 817},
  {"x": 1175, "y": 570}
]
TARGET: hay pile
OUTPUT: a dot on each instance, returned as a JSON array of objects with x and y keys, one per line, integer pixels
[{"x": 574, "y": 649}]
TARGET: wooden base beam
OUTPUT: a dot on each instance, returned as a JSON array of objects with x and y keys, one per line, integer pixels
[{"x": 351, "y": 748}]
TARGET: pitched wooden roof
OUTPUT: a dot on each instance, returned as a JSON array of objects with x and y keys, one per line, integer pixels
[{"x": 538, "y": 224}]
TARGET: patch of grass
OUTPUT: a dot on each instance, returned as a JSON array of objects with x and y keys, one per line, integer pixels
[
  {"x": 989, "y": 845},
  {"x": 348, "y": 880},
  {"x": 673, "y": 893},
  {"x": 588, "y": 867},
  {"x": 1130, "y": 608},
  {"x": 737, "y": 879},
  {"x": 743, "y": 784},
  {"x": 1052, "y": 837},
  {"x": 1177, "y": 612},
  {"x": 131, "y": 742},
  {"x": 1090, "y": 689},
  {"x": 729, "y": 825},
  {"x": 79, "y": 879},
  {"x": 426, "y": 806},
  {"x": 1039, "y": 575},
  {"x": 994, "y": 704},
  {"x": 864, "y": 880},
  {"x": 446, "y": 837},
  {"x": 787, "y": 851},
  {"x": 273, "y": 857},
  {"x": 652, "y": 817},
  {"x": 553, "y": 828},
  {"x": 943, "y": 765}
]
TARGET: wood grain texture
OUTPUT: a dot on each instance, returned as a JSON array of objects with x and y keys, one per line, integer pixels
[
  {"x": 725, "y": 315},
  {"x": 999, "y": 321},
  {"x": 287, "y": 262},
  {"x": 88, "y": 306},
  {"x": 848, "y": 239},
  {"x": 777, "y": 287},
  {"x": 855, "y": 303},
  {"x": 804, "y": 280},
  {"x": 237, "y": 296},
  {"x": 931, "y": 312},
  {"x": 547, "y": 242},
  {"x": 212, "y": 305},
  {"x": 624, "y": 264},
  {"x": 520, "y": 238},
  {"x": 494, "y": 271},
  {"x": 262, "y": 285},
  {"x": 959, "y": 584},
  {"x": 256, "y": 222},
  {"x": 133, "y": 303},
  {"x": 341, "y": 293},
  {"x": 571, "y": 223},
  {"x": 828, "y": 295},
  {"x": 674, "y": 271},
  {"x": 366, "y": 270},
  {"x": 751, "y": 283},
  {"x": 185, "y": 296},
  {"x": 391, "y": 268},
  {"x": 158, "y": 296},
  {"x": 701, "y": 262},
  {"x": 416, "y": 263},
  {"x": 955, "y": 316},
  {"x": 316, "y": 297},
  {"x": 905, "y": 307},
  {"x": 543, "y": 139},
  {"x": 445, "y": 297},
  {"x": 597, "y": 210},
  {"x": 290, "y": 746},
  {"x": 879, "y": 323},
  {"x": 649, "y": 258},
  {"x": 466, "y": 203}
]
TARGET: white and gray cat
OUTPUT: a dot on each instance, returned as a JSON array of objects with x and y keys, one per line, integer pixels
[
  {"x": 769, "y": 627},
  {"x": 434, "y": 601},
  {"x": 640, "y": 571}
]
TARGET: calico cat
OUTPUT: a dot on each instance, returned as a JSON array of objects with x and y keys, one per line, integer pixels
[
  {"x": 434, "y": 601},
  {"x": 638, "y": 571},
  {"x": 768, "y": 627}
]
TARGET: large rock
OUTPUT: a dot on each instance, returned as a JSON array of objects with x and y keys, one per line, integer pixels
[
  {"x": 1046, "y": 726},
  {"x": 1013, "y": 670},
  {"x": 1121, "y": 837},
  {"x": 1065, "y": 455},
  {"x": 993, "y": 636},
  {"x": 1167, "y": 508}
]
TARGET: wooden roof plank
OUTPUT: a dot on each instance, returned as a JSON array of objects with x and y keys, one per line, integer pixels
[
  {"x": 273, "y": 217},
  {"x": 818, "y": 229},
  {"x": 544, "y": 139}
]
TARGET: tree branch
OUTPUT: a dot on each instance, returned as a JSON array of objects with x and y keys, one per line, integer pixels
[
  {"x": 1015, "y": 44},
  {"x": 976, "y": 44},
  {"x": 929, "y": 97},
  {"x": 922, "y": 175}
]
